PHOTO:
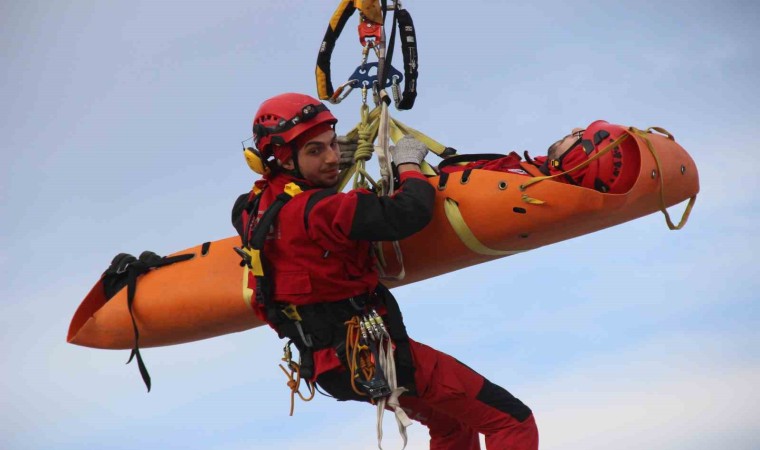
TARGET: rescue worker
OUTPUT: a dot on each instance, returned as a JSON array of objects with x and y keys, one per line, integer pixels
[{"x": 318, "y": 270}]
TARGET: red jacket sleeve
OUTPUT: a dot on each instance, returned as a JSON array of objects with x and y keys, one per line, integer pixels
[{"x": 335, "y": 220}]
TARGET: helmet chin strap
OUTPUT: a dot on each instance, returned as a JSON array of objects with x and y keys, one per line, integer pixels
[{"x": 295, "y": 171}]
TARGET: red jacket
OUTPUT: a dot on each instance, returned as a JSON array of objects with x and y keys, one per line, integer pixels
[{"x": 319, "y": 248}]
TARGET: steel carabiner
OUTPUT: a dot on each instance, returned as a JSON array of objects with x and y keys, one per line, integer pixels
[{"x": 339, "y": 95}]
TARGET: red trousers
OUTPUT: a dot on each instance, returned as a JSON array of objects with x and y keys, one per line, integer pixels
[{"x": 456, "y": 404}]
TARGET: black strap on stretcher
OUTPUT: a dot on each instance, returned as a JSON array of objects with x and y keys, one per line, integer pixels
[{"x": 124, "y": 271}]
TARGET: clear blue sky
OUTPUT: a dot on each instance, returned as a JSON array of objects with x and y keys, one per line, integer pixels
[{"x": 121, "y": 125}]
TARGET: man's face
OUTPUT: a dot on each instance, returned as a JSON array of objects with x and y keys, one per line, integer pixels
[
  {"x": 559, "y": 148},
  {"x": 318, "y": 160}
]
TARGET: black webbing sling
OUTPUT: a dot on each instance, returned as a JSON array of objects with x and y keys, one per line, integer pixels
[
  {"x": 124, "y": 270},
  {"x": 403, "y": 20}
]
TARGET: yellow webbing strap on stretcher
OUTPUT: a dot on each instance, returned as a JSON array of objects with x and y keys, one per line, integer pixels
[
  {"x": 645, "y": 136},
  {"x": 399, "y": 130},
  {"x": 465, "y": 234}
]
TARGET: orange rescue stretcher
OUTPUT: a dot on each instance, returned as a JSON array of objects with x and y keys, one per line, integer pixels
[{"x": 479, "y": 216}]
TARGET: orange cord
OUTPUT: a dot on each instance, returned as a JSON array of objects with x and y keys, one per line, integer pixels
[
  {"x": 294, "y": 383},
  {"x": 360, "y": 360},
  {"x": 358, "y": 355}
]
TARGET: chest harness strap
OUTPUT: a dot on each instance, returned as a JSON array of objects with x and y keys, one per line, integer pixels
[
  {"x": 284, "y": 318},
  {"x": 360, "y": 337}
]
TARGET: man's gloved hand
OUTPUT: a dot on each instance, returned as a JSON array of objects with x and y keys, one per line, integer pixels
[
  {"x": 347, "y": 150},
  {"x": 408, "y": 150}
]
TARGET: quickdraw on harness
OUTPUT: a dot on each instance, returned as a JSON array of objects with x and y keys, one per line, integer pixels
[
  {"x": 124, "y": 271},
  {"x": 370, "y": 356},
  {"x": 376, "y": 75}
]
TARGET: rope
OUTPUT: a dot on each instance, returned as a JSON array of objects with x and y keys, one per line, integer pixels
[
  {"x": 388, "y": 363},
  {"x": 367, "y": 131},
  {"x": 383, "y": 152},
  {"x": 663, "y": 208},
  {"x": 384, "y": 160},
  {"x": 366, "y": 135},
  {"x": 360, "y": 361},
  {"x": 357, "y": 354},
  {"x": 294, "y": 383}
]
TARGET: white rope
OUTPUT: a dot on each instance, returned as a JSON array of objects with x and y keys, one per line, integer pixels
[
  {"x": 382, "y": 149},
  {"x": 388, "y": 364},
  {"x": 385, "y": 345}
]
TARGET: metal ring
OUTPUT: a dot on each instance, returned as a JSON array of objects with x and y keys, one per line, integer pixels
[{"x": 502, "y": 185}]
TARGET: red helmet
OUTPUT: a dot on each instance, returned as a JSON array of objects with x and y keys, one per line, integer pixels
[
  {"x": 615, "y": 172},
  {"x": 282, "y": 119}
]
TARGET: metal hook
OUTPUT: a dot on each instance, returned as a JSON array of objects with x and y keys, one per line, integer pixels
[{"x": 342, "y": 92}]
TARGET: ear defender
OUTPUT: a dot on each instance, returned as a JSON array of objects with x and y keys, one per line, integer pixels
[{"x": 253, "y": 158}]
